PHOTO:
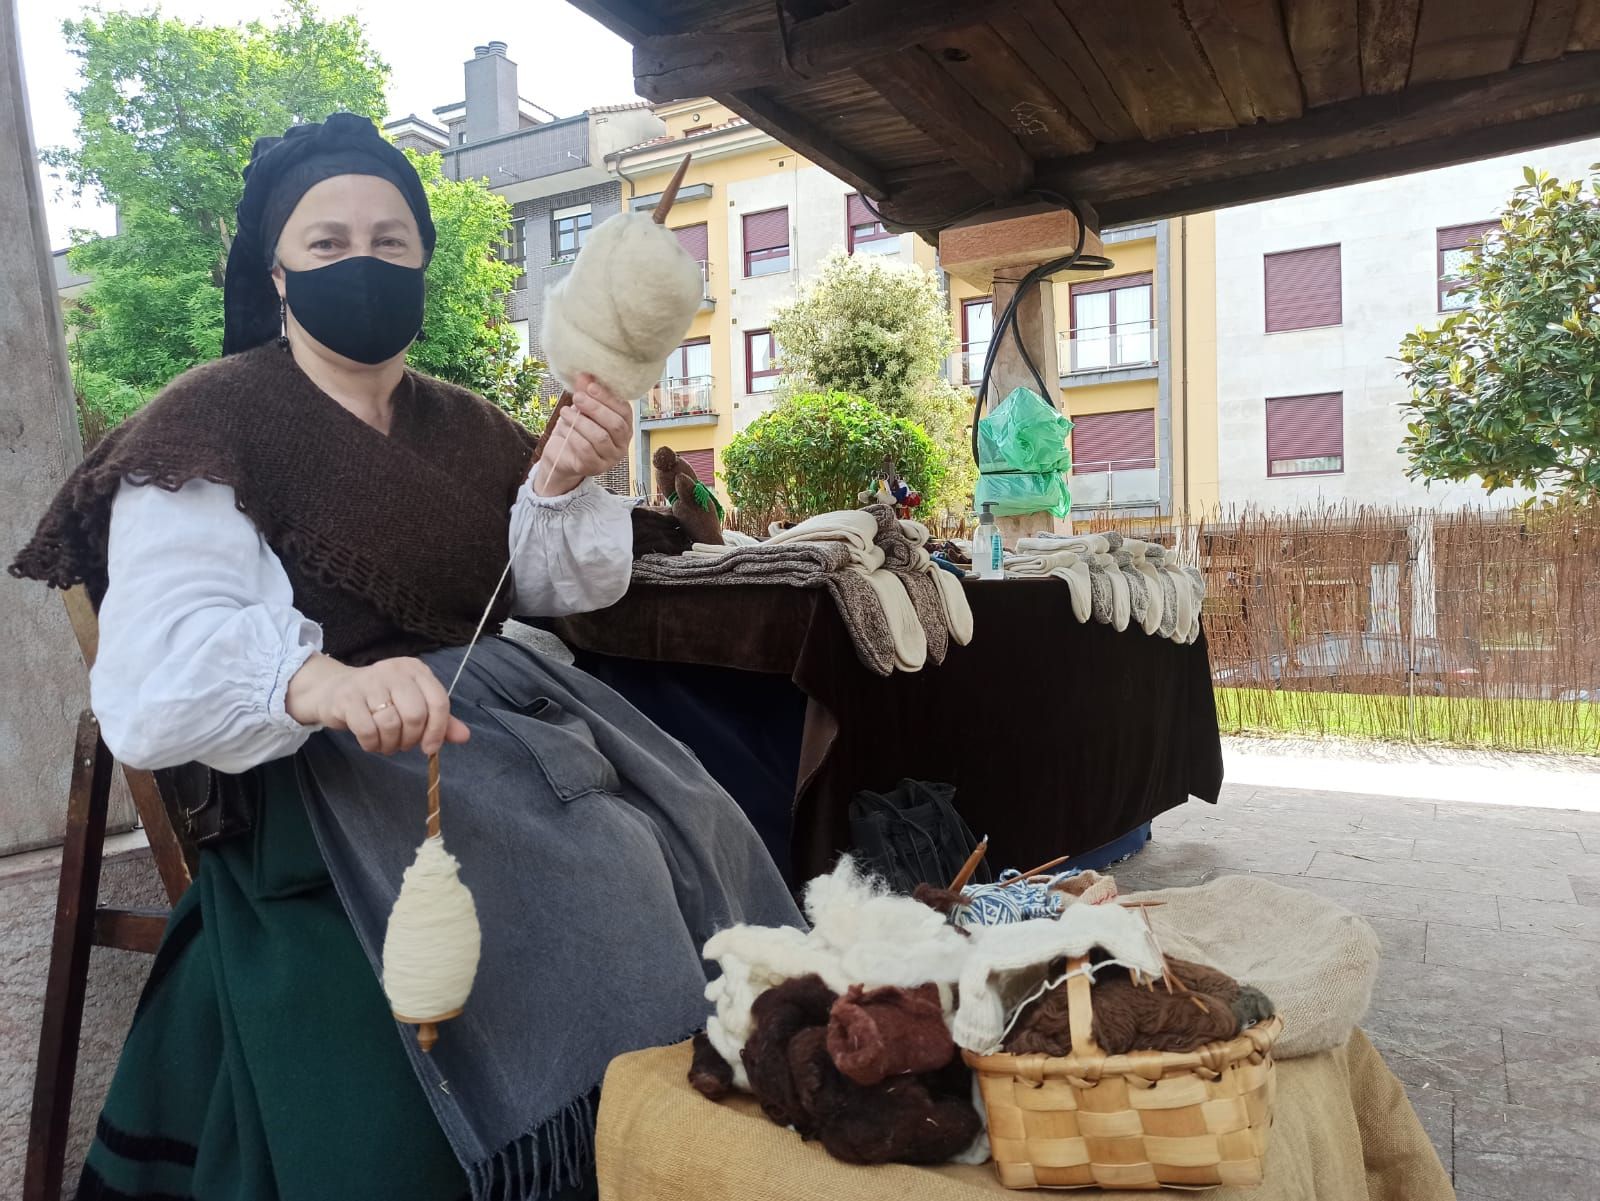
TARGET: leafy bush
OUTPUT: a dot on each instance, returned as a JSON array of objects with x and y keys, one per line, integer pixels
[{"x": 816, "y": 451}]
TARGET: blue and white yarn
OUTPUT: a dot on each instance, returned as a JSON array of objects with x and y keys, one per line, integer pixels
[{"x": 998, "y": 905}]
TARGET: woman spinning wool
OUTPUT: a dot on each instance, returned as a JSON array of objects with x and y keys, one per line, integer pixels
[{"x": 290, "y": 549}]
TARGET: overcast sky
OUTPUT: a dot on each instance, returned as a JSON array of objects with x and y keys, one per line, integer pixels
[{"x": 566, "y": 62}]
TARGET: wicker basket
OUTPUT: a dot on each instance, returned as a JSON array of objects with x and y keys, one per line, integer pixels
[{"x": 1144, "y": 1120}]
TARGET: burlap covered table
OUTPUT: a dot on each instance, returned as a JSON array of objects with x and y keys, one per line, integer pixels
[{"x": 1343, "y": 1130}]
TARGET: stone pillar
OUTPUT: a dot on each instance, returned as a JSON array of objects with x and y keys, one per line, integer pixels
[{"x": 45, "y": 681}]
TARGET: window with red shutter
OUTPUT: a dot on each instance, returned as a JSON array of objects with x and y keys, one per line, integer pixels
[
  {"x": 704, "y": 463},
  {"x": 766, "y": 242},
  {"x": 694, "y": 241},
  {"x": 1114, "y": 441},
  {"x": 863, "y": 231},
  {"x": 1458, "y": 243},
  {"x": 761, "y": 370},
  {"x": 1303, "y": 289},
  {"x": 1305, "y": 434}
]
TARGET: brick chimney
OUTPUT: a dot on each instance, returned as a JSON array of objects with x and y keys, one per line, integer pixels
[{"x": 491, "y": 93}]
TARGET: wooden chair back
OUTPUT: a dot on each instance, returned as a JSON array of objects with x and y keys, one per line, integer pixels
[{"x": 82, "y": 923}]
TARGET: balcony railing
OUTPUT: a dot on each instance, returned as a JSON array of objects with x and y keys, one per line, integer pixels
[
  {"x": 968, "y": 365},
  {"x": 673, "y": 398},
  {"x": 1107, "y": 347},
  {"x": 705, "y": 282},
  {"x": 1109, "y": 485}
]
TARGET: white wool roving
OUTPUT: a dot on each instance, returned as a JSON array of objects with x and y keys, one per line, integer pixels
[
  {"x": 1026, "y": 949},
  {"x": 430, "y": 951},
  {"x": 624, "y": 306}
]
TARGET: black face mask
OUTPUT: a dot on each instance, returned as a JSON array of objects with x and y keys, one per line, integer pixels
[{"x": 364, "y": 308}]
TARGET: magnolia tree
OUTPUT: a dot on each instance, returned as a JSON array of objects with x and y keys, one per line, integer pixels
[
  {"x": 1508, "y": 389},
  {"x": 881, "y": 331},
  {"x": 816, "y": 451}
]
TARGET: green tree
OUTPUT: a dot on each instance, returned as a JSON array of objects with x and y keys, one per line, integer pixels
[
  {"x": 881, "y": 330},
  {"x": 1508, "y": 389},
  {"x": 816, "y": 451},
  {"x": 167, "y": 115}
]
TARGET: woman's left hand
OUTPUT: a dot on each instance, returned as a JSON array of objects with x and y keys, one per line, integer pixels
[{"x": 590, "y": 438}]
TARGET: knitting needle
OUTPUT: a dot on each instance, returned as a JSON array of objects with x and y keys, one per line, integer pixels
[
  {"x": 670, "y": 193},
  {"x": 970, "y": 866},
  {"x": 1032, "y": 872}
]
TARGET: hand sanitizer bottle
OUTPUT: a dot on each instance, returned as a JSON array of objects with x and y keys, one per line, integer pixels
[{"x": 988, "y": 553}]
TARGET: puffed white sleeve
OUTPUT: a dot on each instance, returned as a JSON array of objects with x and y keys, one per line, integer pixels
[
  {"x": 570, "y": 553},
  {"x": 199, "y": 635}
]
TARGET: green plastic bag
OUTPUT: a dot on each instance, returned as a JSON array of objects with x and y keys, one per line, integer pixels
[{"x": 1023, "y": 457}]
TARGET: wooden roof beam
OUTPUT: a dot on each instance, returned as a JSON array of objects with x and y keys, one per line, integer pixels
[
  {"x": 676, "y": 66},
  {"x": 1432, "y": 125},
  {"x": 925, "y": 94}
]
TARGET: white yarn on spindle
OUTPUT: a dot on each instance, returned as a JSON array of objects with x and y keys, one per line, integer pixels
[{"x": 430, "y": 952}]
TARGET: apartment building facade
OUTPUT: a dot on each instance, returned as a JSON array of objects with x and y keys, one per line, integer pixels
[
  {"x": 1313, "y": 296},
  {"x": 552, "y": 170},
  {"x": 760, "y": 219}
]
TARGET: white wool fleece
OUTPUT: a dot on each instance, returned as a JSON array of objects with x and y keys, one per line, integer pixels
[{"x": 624, "y": 306}]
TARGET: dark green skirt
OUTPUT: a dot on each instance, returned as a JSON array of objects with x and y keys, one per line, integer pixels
[{"x": 263, "y": 1064}]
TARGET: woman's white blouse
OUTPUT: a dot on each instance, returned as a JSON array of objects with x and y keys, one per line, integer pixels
[{"x": 199, "y": 635}]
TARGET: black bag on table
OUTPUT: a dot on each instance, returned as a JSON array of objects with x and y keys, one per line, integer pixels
[{"x": 912, "y": 835}]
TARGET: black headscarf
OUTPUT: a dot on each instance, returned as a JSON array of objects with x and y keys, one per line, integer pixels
[{"x": 281, "y": 171}]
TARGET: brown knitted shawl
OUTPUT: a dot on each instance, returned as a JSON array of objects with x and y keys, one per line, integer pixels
[{"x": 394, "y": 543}]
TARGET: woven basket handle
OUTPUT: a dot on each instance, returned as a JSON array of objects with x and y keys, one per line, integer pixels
[{"x": 1080, "y": 1010}]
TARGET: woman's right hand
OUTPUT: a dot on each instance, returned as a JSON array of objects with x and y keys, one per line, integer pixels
[{"x": 393, "y": 705}]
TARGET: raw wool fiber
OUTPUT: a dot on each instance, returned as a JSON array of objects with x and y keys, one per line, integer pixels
[
  {"x": 430, "y": 951},
  {"x": 1317, "y": 961},
  {"x": 624, "y": 306},
  {"x": 882, "y": 1032}
]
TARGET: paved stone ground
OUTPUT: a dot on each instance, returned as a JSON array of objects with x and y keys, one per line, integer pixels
[{"x": 1488, "y": 1002}]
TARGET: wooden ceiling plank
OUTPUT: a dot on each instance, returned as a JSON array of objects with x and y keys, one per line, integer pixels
[
  {"x": 983, "y": 64},
  {"x": 1161, "y": 75},
  {"x": 1245, "y": 43},
  {"x": 1425, "y": 126},
  {"x": 1585, "y": 27},
  {"x": 927, "y": 97},
  {"x": 697, "y": 62},
  {"x": 800, "y": 135},
  {"x": 1457, "y": 39},
  {"x": 1548, "y": 30},
  {"x": 1048, "y": 43},
  {"x": 1388, "y": 32},
  {"x": 1323, "y": 38}
]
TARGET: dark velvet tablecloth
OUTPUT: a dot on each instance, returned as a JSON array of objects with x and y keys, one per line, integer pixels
[{"x": 1059, "y": 737}]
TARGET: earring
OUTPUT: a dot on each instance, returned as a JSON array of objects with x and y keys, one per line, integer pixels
[{"x": 283, "y": 326}]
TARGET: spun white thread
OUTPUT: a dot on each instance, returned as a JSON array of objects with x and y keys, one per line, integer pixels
[{"x": 430, "y": 951}]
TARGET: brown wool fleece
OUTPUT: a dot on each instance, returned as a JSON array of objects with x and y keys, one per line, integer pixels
[
  {"x": 882, "y": 1032},
  {"x": 778, "y": 1015},
  {"x": 393, "y": 543},
  {"x": 1129, "y": 1017},
  {"x": 709, "y": 1073},
  {"x": 904, "y": 1119}
]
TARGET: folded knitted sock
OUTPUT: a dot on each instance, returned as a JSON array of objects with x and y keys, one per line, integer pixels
[
  {"x": 905, "y": 627},
  {"x": 856, "y": 529},
  {"x": 1198, "y": 581},
  {"x": 1138, "y": 589},
  {"x": 953, "y": 596},
  {"x": 1064, "y": 565},
  {"x": 1154, "y": 597},
  {"x": 911, "y": 564}
]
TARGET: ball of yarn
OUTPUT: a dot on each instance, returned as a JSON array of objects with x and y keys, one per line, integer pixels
[
  {"x": 624, "y": 306},
  {"x": 430, "y": 951}
]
